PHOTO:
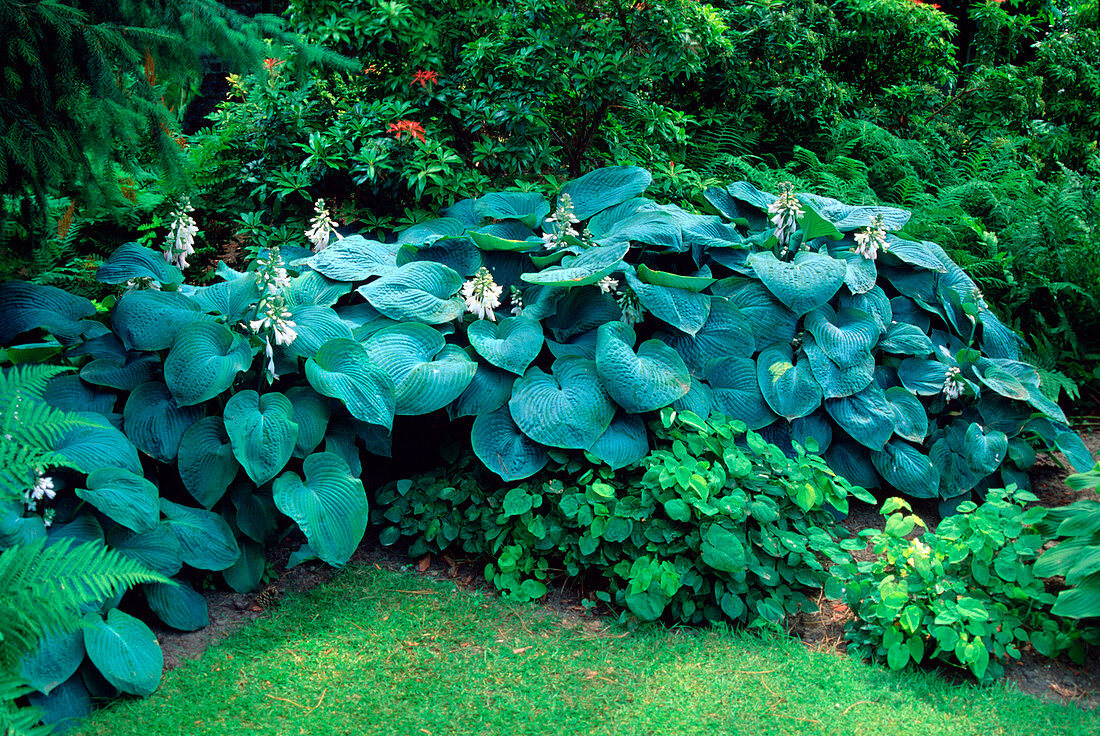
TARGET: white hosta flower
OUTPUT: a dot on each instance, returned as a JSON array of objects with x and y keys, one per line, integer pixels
[
  {"x": 870, "y": 240},
  {"x": 271, "y": 275},
  {"x": 273, "y": 316},
  {"x": 482, "y": 295},
  {"x": 140, "y": 283},
  {"x": 952, "y": 384},
  {"x": 632, "y": 308},
  {"x": 43, "y": 488},
  {"x": 321, "y": 228},
  {"x": 607, "y": 284},
  {"x": 785, "y": 211},
  {"x": 269, "y": 353},
  {"x": 560, "y": 225},
  {"x": 517, "y": 300},
  {"x": 564, "y": 212},
  {"x": 180, "y": 242}
]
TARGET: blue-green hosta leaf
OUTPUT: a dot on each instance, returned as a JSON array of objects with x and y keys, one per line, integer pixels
[
  {"x": 340, "y": 440},
  {"x": 603, "y": 188},
  {"x": 206, "y": 541},
  {"x": 66, "y": 705},
  {"x": 253, "y": 511},
  {"x": 852, "y": 461},
  {"x": 905, "y": 339},
  {"x": 510, "y": 229},
  {"x": 330, "y": 506},
  {"x": 736, "y": 391},
  {"x": 652, "y": 227},
  {"x": 1001, "y": 381},
  {"x": 149, "y": 320},
  {"x": 158, "y": 549},
  {"x": 133, "y": 261},
  {"x": 420, "y": 291},
  {"x": 503, "y": 448},
  {"x": 83, "y": 528},
  {"x": 817, "y": 426},
  {"x": 919, "y": 286},
  {"x": 342, "y": 370},
  {"x": 312, "y": 289},
  {"x": 206, "y": 462},
  {"x": 355, "y": 259},
  {"x": 311, "y": 414},
  {"x": 68, "y": 392},
  {"x": 124, "y": 497},
  {"x": 155, "y": 423},
  {"x": 588, "y": 268},
  {"x": 966, "y": 454},
  {"x": 837, "y": 382},
  {"x": 262, "y": 432},
  {"x": 363, "y": 319},
  {"x": 1059, "y": 435},
  {"x": 913, "y": 253},
  {"x": 653, "y": 378},
  {"x": 861, "y": 273},
  {"x": 848, "y": 217},
  {"x": 231, "y": 299},
  {"x": 460, "y": 254},
  {"x": 25, "y": 306},
  {"x": 512, "y": 345},
  {"x": 245, "y": 576},
  {"x": 427, "y": 373},
  {"x": 790, "y": 390},
  {"x": 805, "y": 283},
  {"x": 910, "y": 416},
  {"x": 674, "y": 281},
  {"x": 125, "y": 652},
  {"x": 578, "y": 311},
  {"x": 685, "y": 310},
  {"x": 699, "y": 400},
  {"x": 726, "y": 333},
  {"x": 316, "y": 326},
  {"x": 1028, "y": 377},
  {"x": 489, "y": 390},
  {"x": 16, "y": 529},
  {"x": 998, "y": 340},
  {"x": 874, "y": 303},
  {"x": 431, "y": 231},
  {"x": 205, "y": 360},
  {"x": 770, "y": 320},
  {"x": 624, "y": 443},
  {"x": 178, "y": 605},
  {"x": 55, "y": 660},
  {"x": 922, "y": 377},
  {"x": 741, "y": 191},
  {"x": 846, "y": 336},
  {"x": 567, "y": 408},
  {"x": 813, "y": 224},
  {"x": 528, "y": 207},
  {"x": 97, "y": 444},
  {"x": 124, "y": 375},
  {"x": 582, "y": 345},
  {"x": 867, "y": 416},
  {"x": 907, "y": 469},
  {"x": 494, "y": 242}
]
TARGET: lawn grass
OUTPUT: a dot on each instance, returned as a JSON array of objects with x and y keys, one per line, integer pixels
[{"x": 383, "y": 652}]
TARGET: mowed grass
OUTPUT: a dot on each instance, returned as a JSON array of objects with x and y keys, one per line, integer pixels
[{"x": 383, "y": 652}]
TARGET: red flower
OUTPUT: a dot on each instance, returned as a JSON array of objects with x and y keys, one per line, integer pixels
[
  {"x": 410, "y": 127},
  {"x": 424, "y": 78},
  {"x": 271, "y": 64}
]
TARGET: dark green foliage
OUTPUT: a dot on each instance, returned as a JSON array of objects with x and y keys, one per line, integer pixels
[
  {"x": 1076, "y": 557},
  {"x": 715, "y": 524}
]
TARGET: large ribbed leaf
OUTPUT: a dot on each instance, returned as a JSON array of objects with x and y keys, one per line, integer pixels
[
  {"x": 431, "y": 230},
  {"x": 262, "y": 432},
  {"x": 567, "y": 408},
  {"x": 770, "y": 320},
  {"x": 178, "y": 605},
  {"x": 866, "y": 416},
  {"x": 1028, "y": 377},
  {"x": 158, "y": 549},
  {"x": 848, "y": 217},
  {"x": 55, "y": 660},
  {"x": 133, "y": 261},
  {"x": 427, "y": 373},
  {"x": 513, "y": 344},
  {"x": 603, "y": 188},
  {"x": 851, "y": 461},
  {"x": 846, "y": 336},
  {"x": 316, "y": 326},
  {"x": 255, "y": 516},
  {"x": 653, "y": 378},
  {"x": 155, "y": 423},
  {"x": 25, "y": 306},
  {"x": 504, "y": 449},
  {"x": 98, "y": 444},
  {"x": 311, "y": 414},
  {"x": 232, "y": 299},
  {"x": 460, "y": 254},
  {"x": 912, "y": 252},
  {"x": 342, "y": 370},
  {"x": 125, "y": 652},
  {"x": 803, "y": 284},
  {"x": 68, "y": 392},
  {"x": 674, "y": 281},
  {"x": 527, "y": 207},
  {"x": 67, "y": 705},
  {"x": 124, "y": 375},
  {"x": 125, "y": 497},
  {"x": 685, "y": 310},
  {"x": 861, "y": 274},
  {"x": 588, "y": 268},
  {"x": 494, "y": 242},
  {"x": 907, "y": 469},
  {"x": 1001, "y": 381},
  {"x": 837, "y": 382},
  {"x": 205, "y": 359},
  {"x": 149, "y": 320},
  {"x": 330, "y": 506},
  {"x": 311, "y": 289},
  {"x": 355, "y": 259},
  {"x": 966, "y": 454},
  {"x": 873, "y": 302},
  {"x": 579, "y": 311},
  {"x": 206, "y": 541},
  {"x": 790, "y": 389},
  {"x": 624, "y": 443},
  {"x": 910, "y": 416},
  {"x": 1057, "y": 434},
  {"x": 650, "y": 226},
  {"x": 921, "y": 376},
  {"x": 489, "y": 390},
  {"x": 907, "y": 311},
  {"x": 420, "y": 291},
  {"x": 698, "y": 400},
  {"x": 998, "y": 340},
  {"x": 245, "y": 576},
  {"x": 817, "y": 426},
  {"x": 205, "y": 460},
  {"x": 906, "y": 339},
  {"x": 736, "y": 391},
  {"x": 726, "y": 333}
]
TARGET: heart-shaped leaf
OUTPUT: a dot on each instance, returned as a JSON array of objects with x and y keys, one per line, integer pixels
[
  {"x": 315, "y": 326},
  {"x": 342, "y": 370},
  {"x": 420, "y": 291},
  {"x": 158, "y": 549},
  {"x": 737, "y": 392},
  {"x": 149, "y": 320},
  {"x": 905, "y": 339},
  {"x": 124, "y": 497},
  {"x": 837, "y": 382},
  {"x": 803, "y": 284},
  {"x": 355, "y": 258},
  {"x": 685, "y": 310},
  {"x": 567, "y": 408},
  {"x": 653, "y": 378},
  {"x": 504, "y": 449},
  {"x": 770, "y": 320},
  {"x": 489, "y": 390},
  {"x": 133, "y": 261},
  {"x": 726, "y": 333},
  {"x": 97, "y": 444},
  {"x": 427, "y": 373},
  {"x": 206, "y": 462},
  {"x": 513, "y": 344},
  {"x": 206, "y": 541},
  {"x": 866, "y": 416},
  {"x": 178, "y": 605},
  {"x": 311, "y": 414},
  {"x": 330, "y": 506},
  {"x": 907, "y": 469},
  {"x": 57, "y": 657},
  {"x": 592, "y": 265},
  {"x": 790, "y": 389},
  {"x": 846, "y": 336},
  {"x": 231, "y": 299},
  {"x": 125, "y": 652},
  {"x": 262, "y": 432},
  {"x": 155, "y": 423},
  {"x": 205, "y": 359},
  {"x": 122, "y": 374},
  {"x": 624, "y": 443},
  {"x": 606, "y": 187},
  {"x": 910, "y": 416}
]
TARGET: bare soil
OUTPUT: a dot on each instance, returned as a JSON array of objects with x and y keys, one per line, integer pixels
[{"x": 1057, "y": 680}]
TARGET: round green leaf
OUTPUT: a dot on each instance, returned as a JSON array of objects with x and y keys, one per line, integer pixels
[
  {"x": 737, "y": 392},
  {"x": 330, "y": 506},
  {"x": 205, "y": 359},
  {"x": 124, "y": 497},
  {"x": 723, "y": 550},
  {"x": 262, "y": 432},
  {"x": 342, "y": 370},
  {"x": 567, "y": 408},
  {"x": 513, "y": 344},
  {"x": 499, "y": 444},
  {"x": 155, "y": 423},
  {"x": 790, "y": 390},
  {"x": 653, "y": 378},
  {"x": 178, "y": 605},
  {"x": 420, "y": 291},
  {"x": 803, "y": 284},
  {"x": 205, "y": 461},
  {"x": 606, "y": 187},
  {"x": 206, "y": 541},
  {"x": 125, "y": 651}
]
